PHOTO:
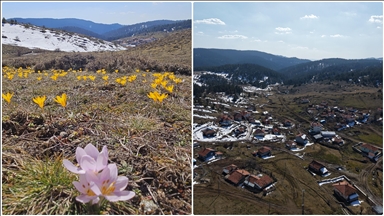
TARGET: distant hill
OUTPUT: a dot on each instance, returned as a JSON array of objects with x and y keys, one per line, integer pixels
[
  {"x": 107, "y": 32},
  {"x": 217, "y": 57},
  {"x": 243, "y": 74},
  {"x": 335, "y": 69},
  {"x": 146, "y": 27},
  {"x": 97, "y": 28},
  {"x": 336, "y": 64}
]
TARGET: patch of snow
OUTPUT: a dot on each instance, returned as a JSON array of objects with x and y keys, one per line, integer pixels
[{"x": 36, "y": 37}]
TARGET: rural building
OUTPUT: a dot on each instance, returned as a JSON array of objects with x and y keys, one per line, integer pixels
[
  {"x": 225, "y": 121},
  {"x": 259, "y": 133},
  {"x": 264, "y": 151},
  {"x": 208, "y": 132},
  {"x": 287, "y": 123},
  {"x": 229, "y": 169},
  {"x": 301, "y": 139},
  {"x": 317, "y": 168},
  {"x": 206, "y": 154},
  {"x": 238, "y": 176},
  {"x": 316, "y": 127},
  {"x": 258, "y": 182},
  {"x": 328, "y": 134},
  {"x": 291, "y": 144},
  {"x": 345, "y": 191},
  {"x": 370, "y": 151}
]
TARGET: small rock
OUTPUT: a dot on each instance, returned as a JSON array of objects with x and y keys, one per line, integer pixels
[{"x": 63, "y": 134}]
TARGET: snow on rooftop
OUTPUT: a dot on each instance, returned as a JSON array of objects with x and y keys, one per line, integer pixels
[{"x": 36, "y": 37}]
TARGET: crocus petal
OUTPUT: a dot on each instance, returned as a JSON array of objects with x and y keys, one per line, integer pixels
[
  {"x": 95, "y": 189},
  {"x": 120, "y": 196},
  {"x": 67, "y": 164},
  {"x": 112, "y": 172},
  {"x": 88, "y": 163},
  {"x": 92, "y": 151},
  {"x": 84, "y": 198},
  {"x": 121, "y": 183},
  {"x": 79, "y": 187},
  {"x": 101, "y": 162},
  {"x": 79, "y": 153},
  {"x": 96, "y": 200},
  {"x": 104, "y": 151}
]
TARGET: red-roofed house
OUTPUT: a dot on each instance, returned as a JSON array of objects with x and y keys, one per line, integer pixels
[
  {"x": 318, "y": 168},
  {"x": 291, "y": 145},
  {"x": 238, "y": 176},
  {"x": 206, "y": 154},
  {"x": 264, "y": 151},
  {"x": 258, "y": 182},
  {"x": 370, "y": 151},
  {"x": 229, "y": 169},
  {"x": 345, "y": 191}
]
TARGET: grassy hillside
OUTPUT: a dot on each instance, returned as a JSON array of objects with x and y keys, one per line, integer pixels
[{"x": 149, "y": 141}]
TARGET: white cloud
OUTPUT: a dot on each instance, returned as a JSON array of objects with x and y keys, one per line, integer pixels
[
  {"x": 199, "y": 33},
  {"x": 378, "y": 27},
  {"x": 323, "y": 36},
  {"x": 281, "y": 30},
  {"x": 233, "y": 37},
  {"x": 280, "y": 41},
  {"x": 336, "y": 36},
  {"x": 300, "y": 47},
  {"x": 228, "y": 32},
  {"x": 376, "y": 19},
  {"x": 257, "y": 40},
  {"x": 309, "y": 17},
  {"x": 211, "y": 21},
  {"x": 348, "y": 13}
]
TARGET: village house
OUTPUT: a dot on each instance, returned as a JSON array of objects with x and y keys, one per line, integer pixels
[
  {"x": 301, "y": 139},
  {"x": 237, "y": 177},
  {"x": 316, "y": 127},
  {"x": 337, "y": 141},
  {"x": 345, "y": 191},
  {"x": 206, "y": 154},
  {"x": 225, "y": 121},
  {"x": 287, "y": 123},
  {"x": 258, "y": 182},
  {"x": 317, "y": 168},
  {"x": 264, "y": 152},
  {"x": 229, "y": 169},
  {"x": 276, "y": 131},
  {"x": 240, "y": 130},
  {"x": 370, "y": 151},
  {"x": 304, "y": 101},
  {"x": 208, "y": 132},
  {"x": 259, "y": 133},
  {"x": 290, "y": 144},
  {"x": 340, "y": 127}
]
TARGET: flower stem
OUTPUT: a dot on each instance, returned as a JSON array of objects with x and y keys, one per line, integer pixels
[{"x": 93, "y": 209}]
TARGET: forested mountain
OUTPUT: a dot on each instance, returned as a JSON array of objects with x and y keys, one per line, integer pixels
[
  {"x": 336, "y": 65},
  {"x": 152, "y": 26},
  {"x": 97, "y": 28},
  {"x": 217, "y": 57}
]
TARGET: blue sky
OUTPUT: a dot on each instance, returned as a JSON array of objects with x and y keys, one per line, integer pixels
[
  {"x": 124, "y": 13},
  {"x": 310, "y": 30}
]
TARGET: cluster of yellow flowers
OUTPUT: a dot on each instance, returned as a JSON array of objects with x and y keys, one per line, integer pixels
[
  {"x": 39, "y": 100},
  {"x": 163, "y": 83},
  {"x": 162, "y": 80}
]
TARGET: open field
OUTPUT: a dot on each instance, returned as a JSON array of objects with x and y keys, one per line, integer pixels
[{"x": 219, "y": 197}]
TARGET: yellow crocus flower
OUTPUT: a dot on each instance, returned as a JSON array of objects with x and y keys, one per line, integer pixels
[
  {"x": 116, "y": 71},
  {"x": 62, "y": 100},
  {"x": 39, "y": 78},
  {"x": 39, "y": 100},
  {"x": 153, "y": 85},
  {"x": 92, "y": 77},
  {"x": 7, "y": 97},
  {"x": 169, "y": 88},
  {"x": 105, "y": 77}
]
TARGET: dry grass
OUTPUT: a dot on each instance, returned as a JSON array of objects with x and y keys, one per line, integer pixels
[{"x": 149, "y": 141}]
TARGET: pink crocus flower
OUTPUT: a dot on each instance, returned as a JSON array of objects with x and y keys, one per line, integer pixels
[
  {"x": 84, "y": 187},
  {"x": 109, "y": 185},
  {"x": 89, "y": 159}
]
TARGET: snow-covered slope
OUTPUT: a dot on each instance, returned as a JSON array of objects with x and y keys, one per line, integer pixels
[{"x": 36, "y": 37}]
